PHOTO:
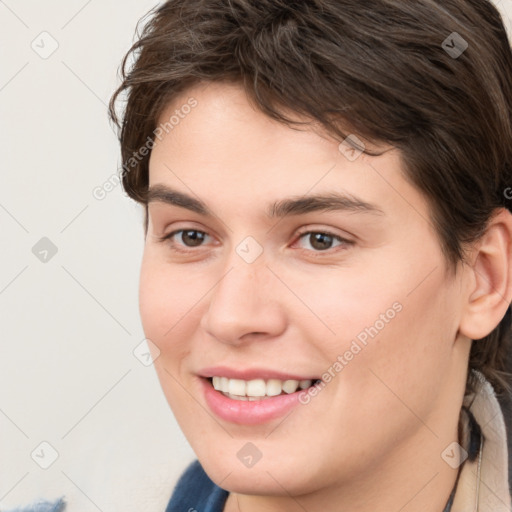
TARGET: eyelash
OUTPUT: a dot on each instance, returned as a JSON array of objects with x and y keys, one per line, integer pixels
[{"x": 345, "y": 242}]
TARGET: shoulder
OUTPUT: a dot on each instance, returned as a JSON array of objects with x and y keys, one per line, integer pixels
[{"x": 195, "y": 491}]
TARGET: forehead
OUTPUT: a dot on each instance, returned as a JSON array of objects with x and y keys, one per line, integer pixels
[
  {"x": 224, "y": 118},
  {"x": 224, "y": 144}
]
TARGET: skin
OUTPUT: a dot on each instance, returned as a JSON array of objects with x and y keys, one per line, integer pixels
[{"x": 371, "y": 439}]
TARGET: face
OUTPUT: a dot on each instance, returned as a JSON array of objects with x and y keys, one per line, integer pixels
[{"x": 251, "y": 280}]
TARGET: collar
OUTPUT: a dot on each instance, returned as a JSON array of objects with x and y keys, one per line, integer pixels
[{"x": 482, "y": 484}]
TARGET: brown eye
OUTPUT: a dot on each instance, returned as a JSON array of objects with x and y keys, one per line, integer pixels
[
  {"x": 322, "y": 241},
  {"x": 189, "y": 238}
]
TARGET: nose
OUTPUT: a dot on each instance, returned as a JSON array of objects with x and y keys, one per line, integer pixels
[{"x": 245, "y": 304}]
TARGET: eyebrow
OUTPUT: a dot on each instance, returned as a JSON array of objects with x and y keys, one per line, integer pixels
[{"x": 333, "y": 201}]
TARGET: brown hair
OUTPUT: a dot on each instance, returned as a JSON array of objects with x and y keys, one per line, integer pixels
[{"x": 391, "y": 71}]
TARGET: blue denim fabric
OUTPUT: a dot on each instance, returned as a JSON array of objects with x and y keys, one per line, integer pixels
[
  {"x": 195, "y": 492},
  {"x": 42, "y": 506}
]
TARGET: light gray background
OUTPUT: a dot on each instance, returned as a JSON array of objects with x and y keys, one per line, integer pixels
[{"x": 70, "y": 324}]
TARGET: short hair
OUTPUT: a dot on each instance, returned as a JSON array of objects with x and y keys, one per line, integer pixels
[{"x": 432, "y": 78}]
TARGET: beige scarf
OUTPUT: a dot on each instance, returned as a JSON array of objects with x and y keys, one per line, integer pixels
[{"x": 483, "y": 483}]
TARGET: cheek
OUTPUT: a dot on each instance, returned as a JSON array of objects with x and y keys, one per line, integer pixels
[
  {"x": 407, "y": 360},
  {"x": 393, "y": 323},
  {"x": 401, "y": 366},
  {"x": 166, "y": 312},
  {"x": 166, "y": 301},
  {"x": 168, "y": 308},
  {"x": 346, "y": 304}
]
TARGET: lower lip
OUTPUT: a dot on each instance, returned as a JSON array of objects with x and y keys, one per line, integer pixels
[{"x": 245, "y": 412}]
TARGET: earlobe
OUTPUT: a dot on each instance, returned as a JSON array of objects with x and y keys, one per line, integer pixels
[{"x": 489, "y": 291}]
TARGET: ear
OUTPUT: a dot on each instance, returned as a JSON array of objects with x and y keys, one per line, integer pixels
[{"x": 489, "y": 290}]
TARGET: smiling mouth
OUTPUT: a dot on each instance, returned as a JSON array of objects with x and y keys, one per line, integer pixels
[{"x": 258, "y": 389}]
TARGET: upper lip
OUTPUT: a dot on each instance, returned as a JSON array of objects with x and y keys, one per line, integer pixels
[{"x": 250, "y": 374}]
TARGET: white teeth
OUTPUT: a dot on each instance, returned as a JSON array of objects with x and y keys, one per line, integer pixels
[
  {"x": 290, "y": 386},
  {"x": 256, "y": 387},
  {"x": 304, "y": 384},
  {"x": 274, "y": 387},
  {"x": 239, "y": 389}
]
